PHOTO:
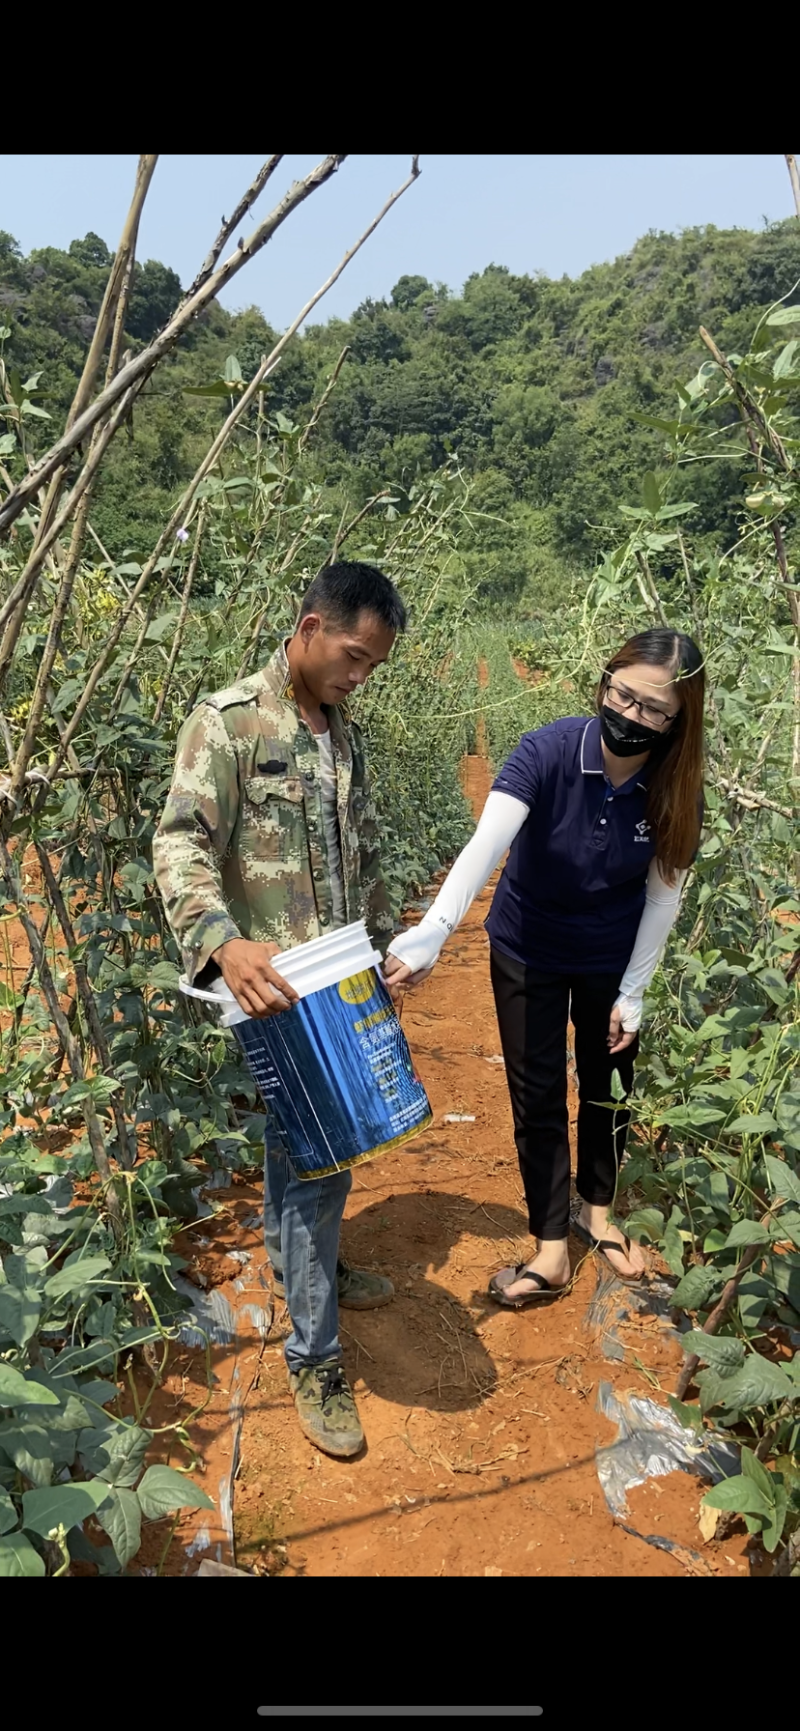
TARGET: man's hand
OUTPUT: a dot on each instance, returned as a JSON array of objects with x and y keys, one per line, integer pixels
[
  {"x": 246, "y": 970},
  {"x": 618, "y": 1038}
]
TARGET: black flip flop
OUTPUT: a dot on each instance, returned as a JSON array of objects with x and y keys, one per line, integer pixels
[
  {"x": 544, "y": 1294},
  {"x": 603, "y": 1245}
]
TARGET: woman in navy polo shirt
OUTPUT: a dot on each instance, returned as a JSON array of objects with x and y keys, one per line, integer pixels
[{"x": 603, "y": 819}]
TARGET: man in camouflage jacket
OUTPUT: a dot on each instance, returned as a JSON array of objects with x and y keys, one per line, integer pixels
[{"x": 259, "y": 849}]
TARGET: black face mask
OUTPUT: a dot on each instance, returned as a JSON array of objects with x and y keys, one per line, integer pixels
[{"x": 626, "y": 738}]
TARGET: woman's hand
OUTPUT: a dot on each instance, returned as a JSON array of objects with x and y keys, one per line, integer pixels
[
  {"x": 618, "y": 1036},
  {"x": 398, "y": 974}
]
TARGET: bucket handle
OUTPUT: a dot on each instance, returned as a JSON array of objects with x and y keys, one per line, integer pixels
[{"x": 208, "y": 997}]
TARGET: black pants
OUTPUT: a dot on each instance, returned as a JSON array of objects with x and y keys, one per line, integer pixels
[{"x": 533, "y": 1010}]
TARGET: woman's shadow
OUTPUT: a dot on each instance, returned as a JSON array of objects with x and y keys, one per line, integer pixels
[{"x": 423, "y": 1348}]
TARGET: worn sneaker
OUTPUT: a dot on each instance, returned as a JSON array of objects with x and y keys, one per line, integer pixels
[
  {"x": 357, "y": 1289},
  {"x": 326, "y": 1408}
]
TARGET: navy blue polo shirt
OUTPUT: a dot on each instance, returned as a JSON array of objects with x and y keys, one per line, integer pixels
[{"x": 573, "y": 889}]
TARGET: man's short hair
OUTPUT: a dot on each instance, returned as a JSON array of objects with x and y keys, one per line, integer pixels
[{"x": 342, "y": 592}]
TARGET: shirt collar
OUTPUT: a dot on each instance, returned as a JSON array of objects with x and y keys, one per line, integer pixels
[
  {"x": 592, "y": 758},
  {"x": 591, "y": 748},
  {"x": 279, "y": 679},
  {"x": 277, "y": 675}
]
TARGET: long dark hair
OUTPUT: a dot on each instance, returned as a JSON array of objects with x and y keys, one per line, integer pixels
[{"x": 676, "y": 782}]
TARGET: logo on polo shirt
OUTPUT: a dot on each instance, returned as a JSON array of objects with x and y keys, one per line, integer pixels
[{"x": 642, "y": 831}]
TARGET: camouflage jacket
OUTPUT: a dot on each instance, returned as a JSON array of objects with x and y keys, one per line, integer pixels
[{"x": 240, "y": 850}]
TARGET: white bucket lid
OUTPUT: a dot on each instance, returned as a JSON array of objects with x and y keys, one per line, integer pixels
[
  {"x": 307, "y": 967},
  {"x": 350, "y": 958},
  {"x": 330, "y": 943}
]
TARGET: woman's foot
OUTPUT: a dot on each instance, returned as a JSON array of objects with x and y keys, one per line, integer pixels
[
  {"x": 551, "y": 1262},
  {"x": 628, "y": 1262}
]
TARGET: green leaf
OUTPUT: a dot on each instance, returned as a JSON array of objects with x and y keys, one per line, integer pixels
[
  {"x": 163, "y": 626},
  {"x": 772, "y": 981},
  {"x": 30, "y": 1447},
  {"x": 62, "y": 1505},
  {"x": 101, "y": 1321},
  {"x": 18, "y": 1557},
  {"x": 8, "y": 1513},
  {"x": 758, "y": 1383},
  {"x": 101, "y": 1355},
  {"x": 617, "y": 1090},
  {"x": 74, "y": 1276},
  {"x": 233, "y": 371},
  {"x": 651, "y": 496},
  {"x": 163, "y": 1490},
  {"x": 29, "y": 408},
  {"x": 784, "y": 1181},
  {"x": 787, "y": 1113},
  {"x": 774, "y": 1527},
  {"x": 787, "y": 1225},
  {"x": 752, "y": 1469},
  {"x": 752, "y": 1124},
  {"x": 721, "y": 1352},
  {"x": 746, "y": 1232},
  {"x": 22, "y": 1204},
  {"x": 121, "y": 1519},
  {"x": 98, "y": 1393},
  {"x": 114, "y": 1452},
  {"x": 672, "y": 1248},
  {"x": 66, "y": 695},
  {"x": 76, "y": 1092},
  {"x": 668, "y": 511},
  {"x": 692, "y": 1116},
  {"x": 689, "y": 1416},
  {"x": 217, "y": 389},
  {"x": 164, "y": 976},
  {"x": 785, "y": 316},
  {"x": 754, "y": 1294},
  {"x": 15, "y": 1391},
  {"x": 645, "y": 1223},
  {"x": 696, "y": 1288},
  {"x": 19, "y": 1312},
  {"x": 786, "y": 1277},
  {"x": 8, "y": 444},
  {"x": 739, "y": 1496}
]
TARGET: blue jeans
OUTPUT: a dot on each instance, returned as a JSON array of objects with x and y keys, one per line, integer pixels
[{"x": 302, "y": 1221}]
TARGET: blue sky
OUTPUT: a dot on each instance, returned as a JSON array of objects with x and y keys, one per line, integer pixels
[{"x": 559, "y": 214}]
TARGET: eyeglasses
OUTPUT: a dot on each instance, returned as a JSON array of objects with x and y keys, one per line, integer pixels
[{"x": 621, "y": 698}]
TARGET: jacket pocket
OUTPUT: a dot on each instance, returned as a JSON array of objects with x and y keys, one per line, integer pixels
[{"x": 273, "y": 822}]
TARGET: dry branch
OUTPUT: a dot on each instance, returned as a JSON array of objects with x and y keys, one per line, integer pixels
[{"x": 143, "y": 364}]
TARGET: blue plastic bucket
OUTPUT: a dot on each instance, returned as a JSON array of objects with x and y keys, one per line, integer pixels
[{"x": 335, "y": 1070}]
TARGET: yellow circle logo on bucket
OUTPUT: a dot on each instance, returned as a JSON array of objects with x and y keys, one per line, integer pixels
[{"x": 358, "y": 989}]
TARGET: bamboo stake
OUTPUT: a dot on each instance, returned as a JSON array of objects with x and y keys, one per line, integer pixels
[
  {"x": 93, "y": 1127},
  {"x": 115, "y": 301},
  {"x": 210, "y": 459},
  {"x": 182, "y": 617},
  {"x": 143, "y": 364}
]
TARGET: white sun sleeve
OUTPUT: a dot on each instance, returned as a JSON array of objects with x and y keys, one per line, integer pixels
[
  {"x": 502, "y": 820},
  {"x": 658, "y": 918}
]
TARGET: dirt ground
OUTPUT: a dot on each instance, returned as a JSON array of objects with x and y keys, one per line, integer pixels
[{"x": 481, "y": 1424}]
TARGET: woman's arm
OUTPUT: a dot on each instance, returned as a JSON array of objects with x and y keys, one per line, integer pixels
[
  {"x": 658, "y": 917},
  {"x": 416, "y": 950}
]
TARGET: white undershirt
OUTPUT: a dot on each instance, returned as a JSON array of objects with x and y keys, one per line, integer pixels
[
  {"x": 503, "y": 817},
  {"x": 330, "y": 814}
]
